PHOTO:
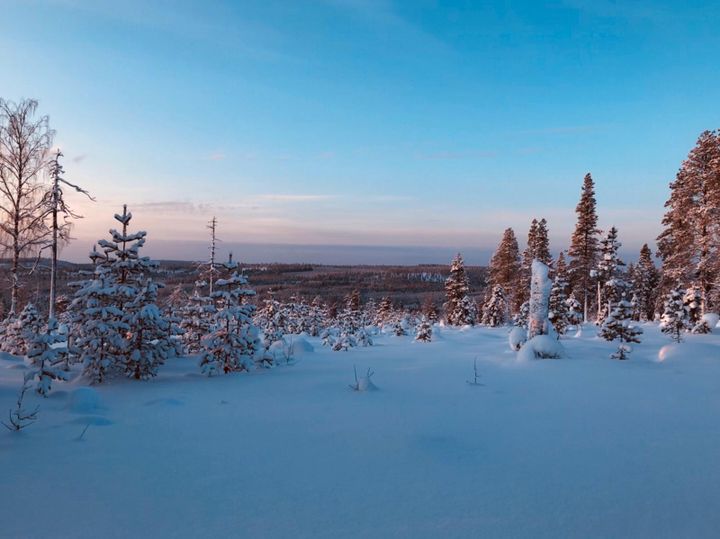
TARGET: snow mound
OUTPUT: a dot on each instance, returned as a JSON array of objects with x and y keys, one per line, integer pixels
[
  {"x": 84, "y": 400},
  {"x": 516, "y": 338},
  {"x": 669, "y": 352},
  {"x": 4, "y": 356},
  {"x": 711, "y": 319},
  {"x": 541, "y": 347},
  {"x": 300, "y": 345},
  {"x": 694, "y": 351},
  {"x": 364, "y": 383}
]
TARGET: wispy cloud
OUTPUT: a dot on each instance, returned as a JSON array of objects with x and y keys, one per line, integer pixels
[
  {"x": 561, "y": 130},
  {"x": 296, "y": 198},
  {"x": 454, "y": 155},
  {"x": 383, "y": 12},
  {"x": 216, "y": 156}
]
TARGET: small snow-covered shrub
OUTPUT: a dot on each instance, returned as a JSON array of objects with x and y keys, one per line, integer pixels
[
  {"x": 363, "y": 383},
  {"x": 675, "y": 315},
  {"x": 517, "y": 337},
  {"x": 423, "y": 333},
  {"x": 618, "y": 325},
  {"x": 712, "y": 319},
  {"x": 541, "y": 347},
  {"x": 45, "y": 353}
]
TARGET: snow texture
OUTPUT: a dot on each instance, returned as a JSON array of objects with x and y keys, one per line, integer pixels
[{"x": 583, "y": 446}]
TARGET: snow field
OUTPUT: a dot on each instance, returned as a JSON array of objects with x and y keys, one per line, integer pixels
[{"x": 583, "y": 446}]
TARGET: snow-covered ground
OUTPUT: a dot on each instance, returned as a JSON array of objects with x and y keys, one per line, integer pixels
[{"x": 583, "y": 446}]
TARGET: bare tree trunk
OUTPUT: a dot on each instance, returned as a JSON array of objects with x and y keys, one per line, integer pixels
[
  {"x": 54, "y": 249},
  {"x": 213, "y": 240}
]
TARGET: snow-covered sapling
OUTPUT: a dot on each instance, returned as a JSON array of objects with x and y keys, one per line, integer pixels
[
  {"x": 618, "y": 326},
  {"x": 476, "y": 376},
  {"x": 674, "y": 318},
  {"x": 364, "y": 383},
  {"x": 45, "y": 353},
  {"x": 20, "y": 417},
  {"x": 423, "y": 333}
]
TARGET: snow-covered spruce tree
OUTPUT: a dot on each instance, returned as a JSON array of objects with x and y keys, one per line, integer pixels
[
  {"x": 541, "y": 249},
  {"x": 273, "y": 320},
  {"x": 196, "y": 317},
  {"x": 583, "y": 250},
  {"x": 459, "y": 308},
  {"x": 98, "y": 325},
  {"x": 352, "y": 301},
  {"x": 645, "y": 280},
  {"x": 495, "y": 311},
  {"x": 45, "y": 354},
  {"x": 574, "y": 311},
  {"x": 430, "y": 311},
  {"x": 423, "y": 332},
  {"x": 558, "y": 308},
  {"x": 521, "y": 317},
  {"x": 148, "y": 342},
  {"x": 117, "y": 326},
  {"x": 688, "y": 244},
  {"x": 21, "y": 330},
  {"x": 611, "y": 286},
  {"x": 234, "y": 342},
  {"x": 618, "y": 326},
  {"x": 523, "y": 292},
  {"x": 504, "y": 269},
  {"x": 399, "y": 329},
  {"x": 693, "y": 305},
  {"x": 362, "y": 337},
  {"x": 674, "y": 319},
  {"x": 384, "y": 312},
  {"x": 316, "y": 318}
]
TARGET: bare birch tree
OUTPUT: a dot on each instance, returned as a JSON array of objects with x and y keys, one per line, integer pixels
[{"x": 25, "y": 142}]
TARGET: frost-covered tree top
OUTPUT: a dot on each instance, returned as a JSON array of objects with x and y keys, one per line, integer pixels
[
  {"x": 505, "y": 262},
  {"x": 609, "y": 262}
]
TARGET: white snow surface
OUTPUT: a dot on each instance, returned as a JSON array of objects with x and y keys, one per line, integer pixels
[
  {"x": 583, "y": 446},
  {"x": 712, "y": 320}
]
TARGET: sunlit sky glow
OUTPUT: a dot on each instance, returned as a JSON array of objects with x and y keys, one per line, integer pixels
[{"x": 365, "y": 123}]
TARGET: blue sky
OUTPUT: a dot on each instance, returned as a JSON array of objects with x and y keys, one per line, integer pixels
[{"x": 425, "y": 125}]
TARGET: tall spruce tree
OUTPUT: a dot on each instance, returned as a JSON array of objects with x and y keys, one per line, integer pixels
[
  {"x": 583, "y": 250},
  {"x": 459, "y": 309},
  {"x": 505, "y": 267},
  {"x": 541, "y": 249},
  {"x": 690, "y": 242},
  {"x": 645, "y": 279},
  {"x": 558, "y": 313},
  {"x": 523, "y": 292}
]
